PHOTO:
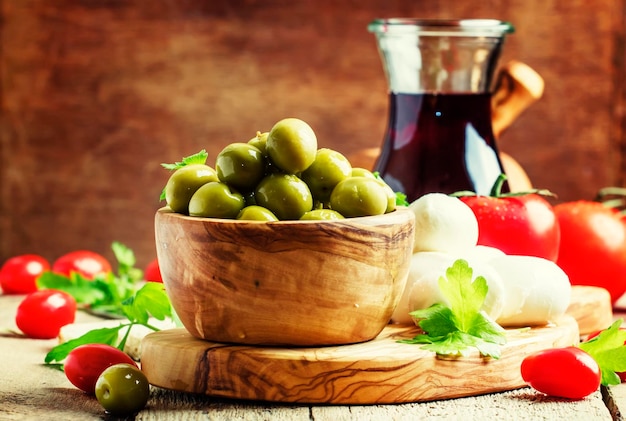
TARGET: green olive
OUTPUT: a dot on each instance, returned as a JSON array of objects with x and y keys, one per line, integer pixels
[
  {"x": 260, "y": 141},
  {"x": 328, "y": 169},
  {"x": 359, "y": 196},
  {"x": 321, "y": 215},
  {"x": 286, "y": 195},
  {"x": 216, "y": 200},
  {"x": 122, "y": 389},
  {"x": 292, "y": 145},
  {"x": 362, "y": 172},
  {"x": 184, "y": 182},
  {"x": 249, "y": 198},
  {"x": 256, "y": 213},
  {"x": 391, "y": 196},
  {"x": 240, "y": 165}
]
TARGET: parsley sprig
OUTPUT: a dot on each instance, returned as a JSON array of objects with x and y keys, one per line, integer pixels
[
  {"x": 149, "y": 301},
  {"x": 107, "y": 291},
  {"x": 456, "y": 328},
  {"x": 197, "y": 158},
  {"x": 609, "y": 351}
]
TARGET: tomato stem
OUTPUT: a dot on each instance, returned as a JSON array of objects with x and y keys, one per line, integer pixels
[
  {"x": 496, "y": 190},
  {"x": 613, "y": 197},
  {"x": 611, "y": 191}
]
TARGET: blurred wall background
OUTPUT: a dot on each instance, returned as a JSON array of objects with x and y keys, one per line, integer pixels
[{"x": 96, "y": 94}]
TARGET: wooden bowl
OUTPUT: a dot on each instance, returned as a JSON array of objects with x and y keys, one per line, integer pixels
[{"x": 295, "y": 283}]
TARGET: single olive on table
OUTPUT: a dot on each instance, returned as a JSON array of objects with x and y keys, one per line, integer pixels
[
  {"x": 276, "y": 175},
  {"x": 85, "y": 363},
  {"x": 122, "y": 389}
]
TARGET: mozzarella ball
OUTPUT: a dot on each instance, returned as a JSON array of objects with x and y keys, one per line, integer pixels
[
  {"x": 537, "y": 290},
  {"x": 482, "y": 253},
  {"x": 422, "y": 287},
  {"x": 443, "y": 223}
]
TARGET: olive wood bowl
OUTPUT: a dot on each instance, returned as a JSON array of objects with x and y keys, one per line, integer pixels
[{"x": 289, "y": 283}]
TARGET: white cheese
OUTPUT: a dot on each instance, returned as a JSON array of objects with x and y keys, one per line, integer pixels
[
  {"x": 483, "y": 253},
  {"x": 537, "y": 290},
  {"x": 422, "y": 287},
  {"x": 523, "y": 290},
  {"x": 443, "y": 223}
]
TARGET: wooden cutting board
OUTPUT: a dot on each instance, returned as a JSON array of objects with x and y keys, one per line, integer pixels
[
  {"x": 591, "y": 307},
  {"x": 375, "y": 372}
]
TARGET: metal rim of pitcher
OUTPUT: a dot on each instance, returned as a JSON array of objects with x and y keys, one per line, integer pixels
[{"x": 448, "y": 27}]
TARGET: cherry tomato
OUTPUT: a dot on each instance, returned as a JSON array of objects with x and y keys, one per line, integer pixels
[
  {"x": 152, "y": 272},
  {"x": 517, "y": 225},
  {"x": 593, "y": 245},
  {"x": 19, "y": 274},
  {"x": 562, "y": 372},
  {"x": 43, "y": 313},
  {"x": 87, "y": 263},
  {"x": 85, "y": 363},
  {"x": 621, "y": 375}
]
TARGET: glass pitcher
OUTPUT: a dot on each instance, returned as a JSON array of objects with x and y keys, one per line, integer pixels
[{"x": 439, "y": 72}]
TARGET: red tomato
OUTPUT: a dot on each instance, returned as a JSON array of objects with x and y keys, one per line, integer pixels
[
  {"x": 562, "y": 372},
  {"x": 622, "y": 375},
  {"x": 85, "y": 363},
  {"x": 43, "y": 313},
  {"x": 593, "y": 245},
  {"x": 152, "y": 272},
  {"x": 87, "y": 263},
  {"x": 19, "y": 274},
  {"x": 517, "y": 225}
]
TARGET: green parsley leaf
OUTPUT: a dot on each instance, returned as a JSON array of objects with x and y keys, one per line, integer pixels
[
  {"x": 150, "y": 300},
  {"x": 197, "y": 158},
  {"x": 401, "y": 199},
  {"x": 465, "y": 297},
  {"x": 84, "y": 290},
  {"x": 107, "y": 291},
  {"x": 609, "y": 351},
  {"x": 461, "y": 325},
  {"x": 124, "y": 255},
  {"x": 126, "y": 262},
  {"x": 437, "y": 320},
  {"x": 117, "y": 295},
  {"x": 106, "y": 335}
]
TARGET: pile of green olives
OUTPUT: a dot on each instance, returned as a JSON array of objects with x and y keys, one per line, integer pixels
[{"x": 277, "y": 175}]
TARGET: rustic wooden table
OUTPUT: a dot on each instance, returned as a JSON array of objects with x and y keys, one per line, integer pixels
[{"x": 30, "y": 390}]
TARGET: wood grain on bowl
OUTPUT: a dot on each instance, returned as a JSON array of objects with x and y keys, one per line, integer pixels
[{"x": 285, "y": 283}]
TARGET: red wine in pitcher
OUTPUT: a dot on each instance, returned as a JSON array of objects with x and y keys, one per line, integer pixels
[{"x": 439, "y": 142}]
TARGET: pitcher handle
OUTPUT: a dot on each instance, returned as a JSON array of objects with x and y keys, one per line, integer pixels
[{"x": 517, "y": 87}]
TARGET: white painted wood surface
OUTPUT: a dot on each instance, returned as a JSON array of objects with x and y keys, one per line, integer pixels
[{"x": 29, "y": 390}]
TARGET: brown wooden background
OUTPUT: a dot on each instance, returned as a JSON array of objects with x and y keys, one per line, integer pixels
[{"x": 96, "y": 94}]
